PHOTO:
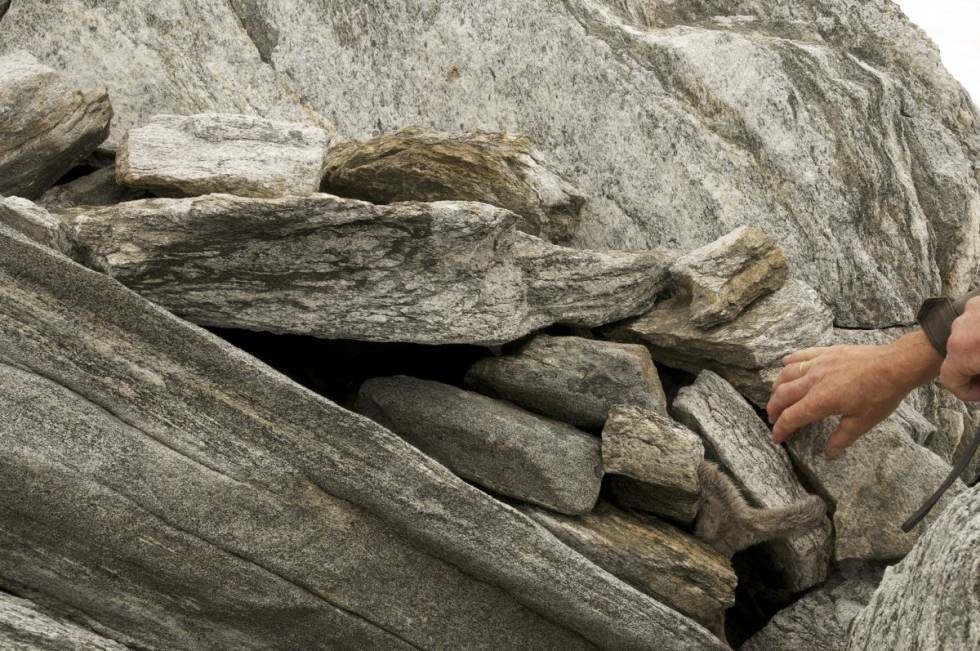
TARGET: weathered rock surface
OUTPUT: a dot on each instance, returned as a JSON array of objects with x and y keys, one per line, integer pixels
[
  {"x": 930, "y": 599},
  {"x": 650, "y": 555},
  {"x": 658, "y": 454},
  {"x": 35, "y": 223},
  {"x": 49, "y": 123},
  {"x": 444, "y": 272},
  {"x": 244, "y": 155},
  {"x": 726, "y": 276},
  {"x": 24, "y": 627},
  {"x": 572, "y": 379},
  {"x": 490, "y": 442},
  {"x": 419, "y": 165},
  {"x": 96, "y": 189},
  {"x": 877, "y": 483},
  {"x": 202, "y": 495},
  {"x": 747, "y": 351},
  {"x": 735, "y": 435},
  {"x": 821, "y": 618}
]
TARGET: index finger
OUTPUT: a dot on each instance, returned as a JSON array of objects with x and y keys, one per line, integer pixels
[
  {"x": 804, "y": 355},
  {"x": 805, "y": 412}
]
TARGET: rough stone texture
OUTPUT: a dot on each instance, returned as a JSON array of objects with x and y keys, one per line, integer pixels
[
  {"x": 726, "y": 276},
  {"x": 178, "y": 56},
  {"x": 49, "y": 123},
  {"x": 202, "y": 495},
  {"x": 821, "y": 618},
  {"x": 490, "y": 442},
  {"x": 747, "y": 351},
  {"x": 98, "y": 188},
  {"x": 244, "y": 155},
  {"x": 446, "y": 272},
  {"x": 572, "y": 379},
  {"x": 930, "y": 599},
  {"x": 419, "y": 165},
  {"x": 874, "y": 487},
  {"x": 35, "y": 223},
  {"x": 25, "y": 627},
  {"x": 735, "y": 435},
  {"x": 659, "y": 454},
  {"x": 650, "y": 555}
]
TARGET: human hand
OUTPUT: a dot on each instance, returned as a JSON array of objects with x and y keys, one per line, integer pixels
[
  {"x": 961, "y": 371},
  {"x": 861, "y": 384}
]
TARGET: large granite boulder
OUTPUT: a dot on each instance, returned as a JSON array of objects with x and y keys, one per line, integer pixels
[
  {"x": 490, "y": 442},
  {"x": 25, "y": 627},
  {"x": 201, "y": 495},
  {"x": 436, "y": 273},
  {"x": 419, "y": 165},
  {"x": 245, "y": 155},
  {"x": 48, "y": 124}
]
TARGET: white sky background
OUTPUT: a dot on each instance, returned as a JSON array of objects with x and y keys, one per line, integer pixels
[{"x": 954, "y": 25}]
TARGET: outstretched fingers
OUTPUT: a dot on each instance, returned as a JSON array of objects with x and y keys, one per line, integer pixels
[
  {"x": 804, "y": 355},
  {"x": 786, "y": 394},
  {"x": 805, "y": 412}
]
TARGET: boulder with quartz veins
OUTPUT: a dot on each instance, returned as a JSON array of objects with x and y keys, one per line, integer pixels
[
  {"x": 494, "y": 168},
  {"x": 49, "y": 123},
  {"x": 244, "y": 155},
  {"x": 735, "y": 435},
  {"x": 96, "y": 189},
  {"x": 873, "y": 487},
  {"x": 650, "y": 555},
  {"x": 572, "y": 379},
  {"x": 748, "y": 351},
  {"x": 490, "y": 442},
  {"x": 726, "y": 276},
  {"x": 202, "y": 495},
  {"x": 657, "y": 458},
  {"x": 930, "y": 599},
  {"x": 436, "y": 273},
  {"x": 24, "y": 626}
]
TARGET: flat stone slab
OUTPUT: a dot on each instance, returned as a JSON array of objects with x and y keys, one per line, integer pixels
[
  {"x": 572, "y": 379},
  {"x": 490, "y": 442},
  {"x": 23, "y": 625},
  {"x": 244, "y": 155}
]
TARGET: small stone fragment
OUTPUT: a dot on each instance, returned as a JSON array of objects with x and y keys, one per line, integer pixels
[
  {"x": 490, "y": 442},
  {"x": 244, "y": 155},
  {"x": 498, "y": 169},
  {"x": 572, "y": 379},
  {"x": 726, "y": 276},
  {"x": 48, "y": 122},
  {"x": 96, "y": 189},
  {"x": 661, "y": 456}
]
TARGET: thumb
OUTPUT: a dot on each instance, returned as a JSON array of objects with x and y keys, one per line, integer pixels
[{"x": 849, "y": 430}]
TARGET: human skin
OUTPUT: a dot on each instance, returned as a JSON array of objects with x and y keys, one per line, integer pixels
[{"x": 864, "y": 384}]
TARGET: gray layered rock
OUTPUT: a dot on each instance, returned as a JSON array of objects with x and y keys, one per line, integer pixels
[
  {"x": 930, "y": 599},
  {"x": 651, "y": 555},
  {"x": 24, "y": 626},
  {"x": 49, "y": 124},
  {"x": 661, "y": 458},
  {"x": 748, "y": 351},
  {"x": 436, "y": 273},
  {"x": 420, "y": 165},
  {"x": 878, "y": 482},
  {"x": 244, "y": 155},
  {"x": 35, "y": 223},
  {"x": 96, "y": 189},
  {"x": 490, "y": 442},
  {"x": 190, "y": 500},
  {"x": 726, "y": 276},
  {"x": 735, "y": 435},
  {"x": 572, "y": 379}
]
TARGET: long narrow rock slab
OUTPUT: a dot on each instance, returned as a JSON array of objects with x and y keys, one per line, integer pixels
[
  {"x": 203, "y": 438},
  {"x": 442, "y": 272},
  {"x": 23, "y": 626}
]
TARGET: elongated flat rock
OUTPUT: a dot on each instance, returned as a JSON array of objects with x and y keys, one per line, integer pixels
[
  {"x": 24, "y": 626},
  {"x": 244, "y": 155},
  {"x": 202, "y": 494},
  {"x": 650, "y": 555},
  {"x": 420, "y": 165},
  {"x": 735, "y": 435},
  {"x": 490, "y": 442},
  {"x": 49, "y": 123},
  {"x": 572, "y": 379},
  {"x": 660, "y": 456},
  {"x": 443, "y": 272}
]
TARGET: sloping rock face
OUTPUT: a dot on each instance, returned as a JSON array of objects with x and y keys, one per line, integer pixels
[
  {"x": 418, "y": 165},
  {"x": 229, "y": 472},
  {"x": 931, "y": 598},
  {"x": 48, "y": 123},
  {"x": 24, "y": 626},
  {"x": 96, "y": 189},
  {"x": 35, "y": 223},
  {"x": 445, "y": 272}
]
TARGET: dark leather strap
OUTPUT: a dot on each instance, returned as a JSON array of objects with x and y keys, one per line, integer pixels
[{"x": 961, "y": 465}]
